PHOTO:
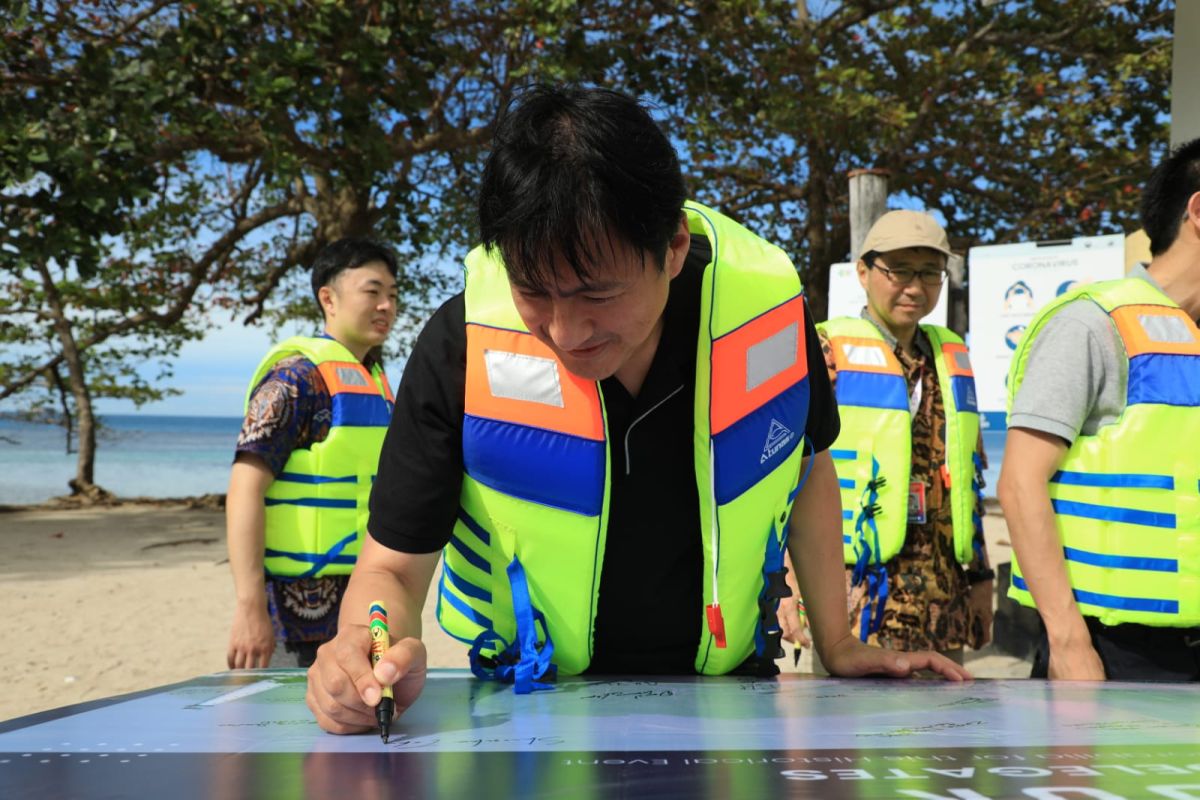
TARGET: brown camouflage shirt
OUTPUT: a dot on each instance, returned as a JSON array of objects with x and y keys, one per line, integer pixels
[{"x": 927, "y": 606}]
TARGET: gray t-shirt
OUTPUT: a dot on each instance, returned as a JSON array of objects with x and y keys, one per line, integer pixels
[{"x": 1076, "y": 376}]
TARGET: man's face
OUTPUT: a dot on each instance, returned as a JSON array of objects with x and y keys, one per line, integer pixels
[
  {"x": 611, "y": 322},
  {"x": 360, "y": 306},
  {"x": 896, "y": 287}
]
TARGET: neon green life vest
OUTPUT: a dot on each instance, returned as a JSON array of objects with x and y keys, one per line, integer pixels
[
  {"x": 873, "y": 451},
  {"x": 316, "y": 508},
  {"x": 1127, "y": 499},
  {"x": 535, "y": 493}
]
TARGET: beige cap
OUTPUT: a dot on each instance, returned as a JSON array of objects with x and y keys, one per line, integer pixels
[{"x": 897, "y": 230}]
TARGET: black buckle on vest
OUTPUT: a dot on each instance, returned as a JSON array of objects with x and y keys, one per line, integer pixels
[
  {"x": 767, "y": 609},
  {"x": 773, "y": 644},
  {"x": 777, "y": 587},
  {"x": 870, "y": 511},
  {"x": 756, "y": 667},
  {"x": 875, "y": 484}
]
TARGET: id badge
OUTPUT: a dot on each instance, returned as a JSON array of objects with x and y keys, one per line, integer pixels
[{"x": 916, "y": 502}]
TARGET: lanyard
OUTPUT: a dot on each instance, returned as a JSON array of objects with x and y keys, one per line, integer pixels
[{"x": 914, "y": 397}]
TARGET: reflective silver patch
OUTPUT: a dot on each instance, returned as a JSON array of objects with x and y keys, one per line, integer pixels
[
  {"x": 771, "y": 356},
  {"x": 1171, "y": 330},
  {"x": 961, "y": 360},
  {"x": 865, "y": 355},
  {"x": 349, "y": 376},
  {"x": 519, "y": 377}
]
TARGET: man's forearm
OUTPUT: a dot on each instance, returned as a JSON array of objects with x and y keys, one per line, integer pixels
[
  {"x": 815, "y": 545},
  {"x": 367, "y": 586},
  {"x": 245, "y": 520},
  {"x": 1025, "y": 498},
  {"x": 400, "y": 581}
]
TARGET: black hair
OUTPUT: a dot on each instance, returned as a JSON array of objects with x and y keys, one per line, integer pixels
[
  {"x": 573, "y": 170},
  {"x": 349, "y": 253},
  {"x": 1165, "y": 198}
]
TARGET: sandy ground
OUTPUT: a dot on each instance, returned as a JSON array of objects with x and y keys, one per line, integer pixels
[{"x": 113, "y": 600}]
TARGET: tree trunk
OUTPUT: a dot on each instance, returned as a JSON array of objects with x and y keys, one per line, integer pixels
[
  {"x": 68, "y": 419},
  {"x": 83, "y": 484},
  {"x": 816, "y": 282}
]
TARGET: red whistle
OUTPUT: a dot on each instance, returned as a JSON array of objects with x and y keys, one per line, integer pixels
[{"x": 716, "y": 623}]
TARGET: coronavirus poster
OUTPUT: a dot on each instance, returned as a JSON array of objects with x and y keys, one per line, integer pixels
[{"x": 1008, "y": 284}]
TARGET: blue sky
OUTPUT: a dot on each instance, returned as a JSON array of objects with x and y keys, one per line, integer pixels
[{"x": 213, "y": 373}]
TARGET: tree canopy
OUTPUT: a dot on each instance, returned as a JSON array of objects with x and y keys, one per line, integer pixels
[
  {"x": 1015, "y": 120},
  {"x": 162, "y": 161}
]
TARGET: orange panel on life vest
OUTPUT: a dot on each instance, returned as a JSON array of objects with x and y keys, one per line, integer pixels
[
  {"x": 733, "y": 396},
  {"x": 348, "y": 377},
  {"x": 849, "y": 354},
  {"x": 577, "y": 409},
  {"x": 1131, "y": 323},
  {"x": 957, "y": 361}
]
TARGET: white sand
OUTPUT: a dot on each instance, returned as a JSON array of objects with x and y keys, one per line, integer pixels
[{"x": 114, "y": 600}]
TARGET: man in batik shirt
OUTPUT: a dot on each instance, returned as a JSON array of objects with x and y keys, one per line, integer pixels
[{"x": 286, "y": 592}]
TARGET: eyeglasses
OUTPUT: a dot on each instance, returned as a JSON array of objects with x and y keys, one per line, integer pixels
[{"x": 904, "y": 276}]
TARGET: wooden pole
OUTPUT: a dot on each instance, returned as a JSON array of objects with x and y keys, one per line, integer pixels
[
  {"x": 868, "y": 202},
  {"x": 1185, "y": 66},
  {"x": 956, "y": 298}
]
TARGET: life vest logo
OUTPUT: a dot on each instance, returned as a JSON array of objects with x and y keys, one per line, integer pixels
[{"x": 779, "y": 436}]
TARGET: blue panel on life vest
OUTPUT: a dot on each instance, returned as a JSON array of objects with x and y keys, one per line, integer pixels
[
  {"x": 360, "y": 410},
  {"x": 1166, "y": 379},
  {"x": 554, "y": 469},
  {"x": 963, "y": 387},
  {"x": 872, "y": 390},
  {"x": 759, "y": 442}
]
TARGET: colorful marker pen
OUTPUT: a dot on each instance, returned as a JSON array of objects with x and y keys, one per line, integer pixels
[{"x": 380, "y": 642}]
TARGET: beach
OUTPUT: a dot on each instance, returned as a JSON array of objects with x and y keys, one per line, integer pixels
[{"x": 106, "y": 601}]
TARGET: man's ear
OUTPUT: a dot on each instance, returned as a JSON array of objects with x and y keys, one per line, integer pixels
[
  {"x": 325, "y": 298},
  {"x": 677, "y": 248},
  {"x": 1193, "y": 210},
  {"x": 861, "y": 269}
]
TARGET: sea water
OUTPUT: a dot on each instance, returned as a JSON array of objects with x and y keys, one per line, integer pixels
[
  {"x": 144, "y": 455},
  {"x": 137, "y": 455}
]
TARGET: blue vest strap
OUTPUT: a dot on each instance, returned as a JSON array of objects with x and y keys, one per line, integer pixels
[
  {"x": 767, "y": 633},
  {"x": 877, "y": 594},
  {"x": 318, "y": 560},
  {"x": 473, "y": 558},
  {"x": 312, "y": 502},
  {"x": 1131, "y": 516},
  {"x": 523, "y": 663},
  {"x": 1114, "y": 479},
  {"x": 868, "y": 567},
  {"x": 300, "y": 477},
  {"x": 977, "y": 514},
  {"x": 865, "y": 522},
  {"x": 1115, "y": 601}
]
